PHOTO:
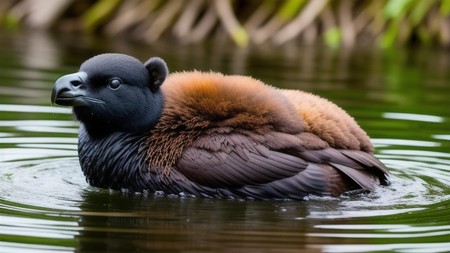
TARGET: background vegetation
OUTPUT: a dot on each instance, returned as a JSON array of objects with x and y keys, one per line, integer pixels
[{"x": 385, "y": 23}]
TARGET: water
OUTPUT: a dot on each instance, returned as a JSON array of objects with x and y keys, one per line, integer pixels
[{"x": 400, "y": 97}]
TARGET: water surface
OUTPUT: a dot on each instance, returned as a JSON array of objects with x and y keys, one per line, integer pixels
[{"x": 400, "y": 97}]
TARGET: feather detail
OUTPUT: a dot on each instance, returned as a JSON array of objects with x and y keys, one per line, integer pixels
[
  {"x": 328, "y": 121},
  {"x": 199, "y": 103},
  {"x": 235, "y": 136}
]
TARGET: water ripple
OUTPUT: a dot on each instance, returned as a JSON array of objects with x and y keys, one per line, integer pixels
[
  {"x": 45, "y": 197},
  {"x": 34, "y": 109},
  {"x": 47, "y": 206}
]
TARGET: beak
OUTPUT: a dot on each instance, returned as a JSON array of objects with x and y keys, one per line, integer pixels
[{"x": 70, "y": 90}]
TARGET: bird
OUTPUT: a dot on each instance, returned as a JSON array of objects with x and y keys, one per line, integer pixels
[{"x": 207, "y": 134}]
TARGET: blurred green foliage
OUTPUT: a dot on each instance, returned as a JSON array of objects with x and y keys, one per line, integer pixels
[{"x": 386, "y": 23}]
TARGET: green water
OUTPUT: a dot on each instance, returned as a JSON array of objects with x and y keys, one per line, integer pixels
[{"x": 400, "y": 97}]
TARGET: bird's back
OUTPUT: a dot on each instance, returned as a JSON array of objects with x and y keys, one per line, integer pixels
[
  {"x": 328, "y": 121},
  {"x": 240, "y": 137}
]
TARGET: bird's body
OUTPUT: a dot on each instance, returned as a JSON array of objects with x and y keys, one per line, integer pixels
[{"x": 214, "y": 135}]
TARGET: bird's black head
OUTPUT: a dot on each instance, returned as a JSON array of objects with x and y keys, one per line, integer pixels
[{"x": 114, "y": 93}]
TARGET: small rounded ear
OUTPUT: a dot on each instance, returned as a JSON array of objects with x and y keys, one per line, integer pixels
[{"x": 157, "y": 68}]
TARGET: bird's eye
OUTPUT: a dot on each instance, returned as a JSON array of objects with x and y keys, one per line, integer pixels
[{"x": 114, "y": 83}]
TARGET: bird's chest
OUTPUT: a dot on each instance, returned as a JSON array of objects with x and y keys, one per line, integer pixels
[{"x": 113, "y": 161}]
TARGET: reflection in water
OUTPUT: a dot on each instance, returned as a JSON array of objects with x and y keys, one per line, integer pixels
[
  {"x": 388, "y": 142},
  {"x": 40, "y": 52},
  {"x": 442, "y": 137},
  {"x": 411, "y": 116},
  {"x": 401, "y": 98},
  {"x": 406, "y": 247},
  {"x": 33, "y": 108},
  {"x": 185, "y": 223}
]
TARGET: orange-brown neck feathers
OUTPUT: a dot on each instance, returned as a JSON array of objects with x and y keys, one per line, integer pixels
[{"x": 214, "y": 100}]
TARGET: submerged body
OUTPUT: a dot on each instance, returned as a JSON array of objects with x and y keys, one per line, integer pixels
[{"x": 207, "y": 134}]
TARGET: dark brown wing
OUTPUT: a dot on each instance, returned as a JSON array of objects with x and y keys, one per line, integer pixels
[
  {"x": 237, "y": 161},
  {"x": 362, "y": 167},
  {"x": 240, "y": 164}
]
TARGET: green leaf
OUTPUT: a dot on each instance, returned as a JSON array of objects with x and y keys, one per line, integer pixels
[
  {"x": 445, "y": 7},
  {"x": 333, "y": 37},
  {"x": 419, "y": 11},
  {"x": 395, "y": 8},
  {"x": 388, "y": 38},
  {"x": 11, "y": 21},
  {"x": 99, "y": 12},
  {"x": 240, "y": 36},
  {"x": 290, "y": 9}
]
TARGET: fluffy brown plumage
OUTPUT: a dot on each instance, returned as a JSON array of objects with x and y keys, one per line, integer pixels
[
  {"x": 231, "y": 131},
  {"x": 213, "y": 135},
  {"x": 329, "y": 122}
]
